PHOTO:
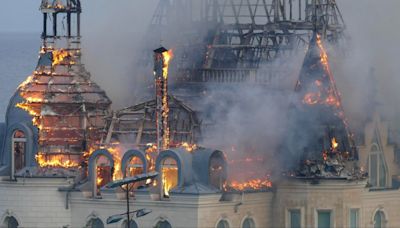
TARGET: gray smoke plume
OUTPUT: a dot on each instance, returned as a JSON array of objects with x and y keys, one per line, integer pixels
[
  {"x": 113, "y": 32},
  {"x": 250, "y": 117},
  {"x": 370, "y": 69}
]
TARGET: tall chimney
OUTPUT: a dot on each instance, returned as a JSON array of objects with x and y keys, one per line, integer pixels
[{"x": 162, "y": 57}]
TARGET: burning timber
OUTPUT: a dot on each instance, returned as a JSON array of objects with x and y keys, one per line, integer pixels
[{"x": 319, "y": 136}]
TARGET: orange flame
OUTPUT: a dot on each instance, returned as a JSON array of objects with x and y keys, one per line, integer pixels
[
  {"x": 334, "y": 143},
  {"x": 188, "y": 147},
  {"x": 168, "y": 55},
  {"x": 169, "y": 179},
  {"x": 253, "y": 184},
  {"x": 55, "y": 161},
  {"x": 59, "y": 56}
]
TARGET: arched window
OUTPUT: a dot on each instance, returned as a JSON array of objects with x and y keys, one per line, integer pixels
[
  {"x": 10, "y": 222},
  {"x": 249, "y": 223},
  {"x": 95, "y": 223},
  {"x": 103, "y": 172},
  {"x": 18, "y": 150},
  {"x": 169, "y": 175},
  {"x": 379, "y": 219},
  {"x": 163, "y": 224},
  {"x": 217, "y": 170},
  {"x": 223, "y": 224},
  {"x": 377, "y": 168},
  {"x": 134, "y": 167},
  {"x": 132, "y": 224}
]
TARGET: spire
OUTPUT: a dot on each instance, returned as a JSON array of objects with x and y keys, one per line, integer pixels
[{"x": 318, "y": 132}]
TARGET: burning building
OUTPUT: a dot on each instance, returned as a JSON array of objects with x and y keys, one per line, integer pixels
[
  {"x": 319, "y": 139},
  {"x": 61, "y": 144}
]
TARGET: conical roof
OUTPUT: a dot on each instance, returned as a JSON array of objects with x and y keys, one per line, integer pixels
[{"x": 318, "y": 133}]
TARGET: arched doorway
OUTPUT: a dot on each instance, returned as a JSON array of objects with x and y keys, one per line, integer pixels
[
  {"x": 18, "y": 151},
  {"x": 10, "y": 222}
]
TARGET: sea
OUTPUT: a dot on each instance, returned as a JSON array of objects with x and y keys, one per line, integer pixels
[{"x": 18, "y": 59}]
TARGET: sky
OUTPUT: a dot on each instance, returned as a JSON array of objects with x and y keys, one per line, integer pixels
[{"x": 20, "y": 16}]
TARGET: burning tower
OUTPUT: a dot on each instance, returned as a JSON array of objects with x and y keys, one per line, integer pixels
[
  {"x": 67, "y": 108},
  {"x": 319, "y": 137}
]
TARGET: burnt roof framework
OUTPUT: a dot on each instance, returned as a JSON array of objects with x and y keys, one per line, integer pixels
[
  {"x": 67, "y": 107},
  {"x": 136, "y": 125},
  {"x": 235, "y": 37},
  {"x": 318, "y": 138}
]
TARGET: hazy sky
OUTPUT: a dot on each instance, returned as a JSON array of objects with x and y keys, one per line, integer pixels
[{"x": 20, "y": 16}]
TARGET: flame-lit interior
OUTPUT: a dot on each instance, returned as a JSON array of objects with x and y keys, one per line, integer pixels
[
  {"x": 135, "y": 167},
  {"x": 103, "y": 172},
  {"x": 64, "y": 106},
  {"x": 169, "y": 175},
  {"x": 245, "y": 170}
]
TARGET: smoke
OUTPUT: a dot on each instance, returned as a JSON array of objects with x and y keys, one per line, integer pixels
[
  {"x": 112, "y": 34},
  {"x": 370, "y": 70},
  {"x": 250, "y": 120}
]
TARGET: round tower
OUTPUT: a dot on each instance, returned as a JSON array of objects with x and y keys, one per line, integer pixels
[{"x": 63, "y": 108}]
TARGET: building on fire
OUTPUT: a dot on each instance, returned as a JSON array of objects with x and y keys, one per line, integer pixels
[{"x": 61, "y": 143}]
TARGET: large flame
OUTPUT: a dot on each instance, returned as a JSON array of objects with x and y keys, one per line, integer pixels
[
  {"x": 253, "y": 184},
  {"x": 169, "y": 179},
  {"x": 59, "y": 56},
  {"x": 332, "y": 96},
  {"x": 167, "y": 56},
  {"x": 334, "y": 143},
  {"x": 55, "y": 161}
]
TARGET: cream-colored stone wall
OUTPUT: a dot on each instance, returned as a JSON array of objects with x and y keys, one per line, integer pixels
[
  {"x": 35, "y": 202},
  {"x": 181, "y": 211},
  {"x": 339, "y": 196}
]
